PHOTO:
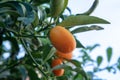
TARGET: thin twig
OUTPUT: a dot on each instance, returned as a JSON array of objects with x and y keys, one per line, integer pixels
[
  {"x": 105, "y": 68},
  {"x": 11, "y": 66},
  {"x": 31, "y": 36},
  {"x": 37, "y": 65}
]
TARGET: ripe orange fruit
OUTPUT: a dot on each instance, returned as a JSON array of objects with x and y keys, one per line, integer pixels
[
  {"x": 64, "y": 55},
  {"x": 57, "y": 72},
  {"x": 62, "y": 39}
]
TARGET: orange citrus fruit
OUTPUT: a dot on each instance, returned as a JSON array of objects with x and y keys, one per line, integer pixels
[
  {"x": 57, "y": 72},
  {"x": 62, "y": 39},
  {"x": 64, "y": 55}
]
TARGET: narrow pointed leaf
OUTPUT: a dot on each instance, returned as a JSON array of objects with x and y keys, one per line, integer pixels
[
  {"x": 79, "y": 45},
  {"x": 29, "y": 14},
  {"x": 92, "y": 8},
  {"x": 81, "y": 72},
  {"x": 13, "y": 5},
  {"x": 63, "y": 66},
  {"x": 57, "y": 7},
  {"x": 76, "y": 63},
  {"x": 99, "y": 60},
  {"x": 109, "y": 54},
  {"x": 86, "y": 28},
  {"x": 50, "y": 54},
  {"x": 82, "y": 20},
  {"x": 65, "y": 5},
  {"x": 10, "y": 12}
]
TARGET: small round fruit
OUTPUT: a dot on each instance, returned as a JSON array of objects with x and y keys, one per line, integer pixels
[
  {"x": 57, "y": 72},
  {"x": 67, "y": 56},
  {"x": 62, "y": 39}
]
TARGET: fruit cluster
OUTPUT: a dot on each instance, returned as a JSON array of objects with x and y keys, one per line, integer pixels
[{"x": 64, "y": 43}]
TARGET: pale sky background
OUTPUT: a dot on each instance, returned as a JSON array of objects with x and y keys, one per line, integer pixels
[{"x": 109, "y": 10}]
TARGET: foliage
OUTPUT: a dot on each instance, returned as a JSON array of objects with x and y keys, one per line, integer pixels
[
  {"x": 24, "y": 30},
  {"x": 97, "y": 64}
]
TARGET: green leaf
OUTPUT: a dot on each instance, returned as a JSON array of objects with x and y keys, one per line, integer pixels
[
  {"x": 92, "y": 8},
  {"x": 109, "y": 53},
  {"x": 79, "y": 45},
  {"x": 57, "y": 7},
  {"x": 82, "y": 20},
  {"x": 45, "y": 41},
  {"x": 10, "y": 12},
  {"x": 18, "y": 7},
  {"x": 26, "y": 20},
  {"x": 29, "y": 14},
  {"x": 62, "y": 78},
  {"x": 79, "y": 68},
  {"x": 2, "y": 25},
  {"x": 46, "y": 49},
  {"x": 21, "y": 9},
  {"x": 65, "y": 5},
  {"x": 118, "y": 65},
  {"x": 23, "y": 72},
  {"x": 86, "y": 28},
  {"x": 81, "y": 72},
  {"x": 63, "y": 66},
  {"x": 36, "y": 19},
  {"x": 69, "y": 10},
  {"x": 13, "y": 5},
  {"x": 118, "y": 60},
  {"x": 39, "y": 2},
  {"x": 32, "y": 73},
  {"x": 78, "y": 77},
  {"x": 75, "y": 62},
  {"x": 99, "y": 60},
  {"x": 50, "y": 54},
  {"x": 90, "y": 74}
]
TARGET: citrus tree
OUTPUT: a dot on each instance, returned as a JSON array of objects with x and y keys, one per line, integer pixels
[{"x": 37, "y": 40}]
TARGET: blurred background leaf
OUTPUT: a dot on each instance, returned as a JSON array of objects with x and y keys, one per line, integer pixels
[
  {"x": 99, "y": 60},
  {"x": 109, "y": 53}
]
